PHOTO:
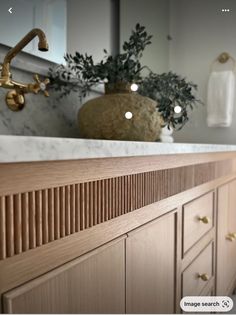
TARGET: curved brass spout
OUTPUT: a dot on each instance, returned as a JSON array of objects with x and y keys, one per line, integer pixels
[
  {"x": 42, "y": 45},
  {"x": 15, "y": 98}
]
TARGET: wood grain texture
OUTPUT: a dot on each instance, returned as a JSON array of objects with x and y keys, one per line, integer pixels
[
  {"x": 55, "y": 212},
  {"x": 21, "y": 268},
  {"x": 226, "y": 249},
  {"x": 3, "y": 233},
  {"x": 32, "y": 221},
  {"x": 193, "y": 228},
  {"x": 25, "y": 222},
  {"x": 51, "y": 215},
  {"x": 150, "y": 268},
  {"x": 17, "y": 223},
  {"x": 76, "y": 287},
  {"x": 39, "y": 218},
  {"x": 10, "y": 226},
  {"x": 62, "y": 173},
  {"x": 192, "y": 284},
  {"x": 178, "y": 250}
]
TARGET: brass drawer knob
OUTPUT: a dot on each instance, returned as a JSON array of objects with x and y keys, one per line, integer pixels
[
  {"x": 204, "y": 220},
  {"x": 203, "y": 276},
  {"x": 231, "y": 237}
]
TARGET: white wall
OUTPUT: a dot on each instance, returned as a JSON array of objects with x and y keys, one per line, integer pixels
[
  {"x": 200, "y": 33},
  {"x": 89, "y": 27},
  {"x": 154, "y": 14}
]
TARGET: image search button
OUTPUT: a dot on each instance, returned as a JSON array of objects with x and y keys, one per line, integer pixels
[{"x": 206, "y": 304}]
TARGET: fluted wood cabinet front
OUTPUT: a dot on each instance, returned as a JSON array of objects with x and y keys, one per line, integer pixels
[
  {"x": 226, "y": 239},
  {"x": 94, "y": 283},
  {"x": 115, "y": 235},
  {"x": 150, "y": 267}
]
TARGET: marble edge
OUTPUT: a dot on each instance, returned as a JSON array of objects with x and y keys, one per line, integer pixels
[{"x": 14, "y": 149}]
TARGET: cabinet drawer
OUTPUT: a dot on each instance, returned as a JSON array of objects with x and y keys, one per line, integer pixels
[
  {"x": 192, "y": 281},
  {"x": 198, "y": 218}
]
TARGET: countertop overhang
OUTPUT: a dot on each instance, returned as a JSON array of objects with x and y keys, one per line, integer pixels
[{"x": 14, "y": 149}]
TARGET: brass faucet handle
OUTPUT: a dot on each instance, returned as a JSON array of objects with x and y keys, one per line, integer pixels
[{"x": 40, "y": 85}]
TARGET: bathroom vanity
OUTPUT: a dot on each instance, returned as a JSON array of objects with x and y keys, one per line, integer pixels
[{"x": 92, "y": 226}]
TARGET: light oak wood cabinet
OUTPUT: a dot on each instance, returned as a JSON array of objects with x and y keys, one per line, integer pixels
[
  {"x": 198, "y": 273},
  {"x": 198, "y": 219},
  {"x": 226, "y": 238},
  {"x": 94, "y": 283},
  {"x": 150, "y": 267},
  {"x": 124, "y": 235}
]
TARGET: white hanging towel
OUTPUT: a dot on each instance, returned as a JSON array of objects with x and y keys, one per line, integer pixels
[{"x": 220, "y": 98}]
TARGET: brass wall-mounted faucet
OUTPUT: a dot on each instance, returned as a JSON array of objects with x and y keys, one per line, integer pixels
[{"x": 15, "y": 98}]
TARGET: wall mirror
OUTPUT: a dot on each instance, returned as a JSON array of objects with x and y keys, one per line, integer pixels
[{"x": 49, "y": 15}]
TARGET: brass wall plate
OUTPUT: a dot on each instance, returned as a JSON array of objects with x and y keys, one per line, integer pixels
[
  {"x": 224, "y": 57},
  {"x": 15, "y": 100}
]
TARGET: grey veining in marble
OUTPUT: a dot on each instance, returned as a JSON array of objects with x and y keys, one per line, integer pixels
[{"x": 25, "y": 149}]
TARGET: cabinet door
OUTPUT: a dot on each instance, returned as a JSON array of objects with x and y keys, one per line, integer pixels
[
  {"x": 226, "y": 244},
  {"x": 94, "y": 283},
  {"x": 150, "y": 274}
]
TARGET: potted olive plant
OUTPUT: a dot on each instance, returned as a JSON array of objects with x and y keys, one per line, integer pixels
[
  {"x": 105, "y": 117},
  {"x": 174, "y": 96}
]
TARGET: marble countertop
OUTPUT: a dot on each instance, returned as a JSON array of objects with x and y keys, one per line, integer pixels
[{"x": 29, "y": 149}]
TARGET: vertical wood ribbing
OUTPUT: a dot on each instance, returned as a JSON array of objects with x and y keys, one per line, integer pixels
[
  {"x": 45, "y": 225},
  {"x": 32, "y": 223},
  {"x": 67, "y": 210},
  {"x": 95, "y": 202},
  {"x": 106, "y": 200},
  {"x": 51, "y": 215},
  {"x": 72, "y": 209},
  {"x": 25, "y": 221},
  {"x": 103, "y": 201},
  {"x": 150, "y": 186},
  {"x": 17, "y": 223},
  {"x": 129, "y": 194},
  {"x": 141, "y": 189},
  {"x": 56, "y": 213},
  {"x": 137, "y": 191},
  {"x": 39, "y": 230},
  {"x": 154, "y": 189},
  {"x": 3, "y": 252},
  {"x": 77, "y": 208},
  {"x": 82, "y": 207},
  {"x": 133, "y": 192},
  {"x": 99, "y": 201},
  {"x": 113, "y": 197},
  {"x": 125, "y": 194},
  {"x": 31, "y": 219},
  {"x": 86, "y": 205},
  {"x": 147, "y": 187},
  {"x": 10, "y": 226},
  {"x": 122, "y": 179},
  {"x": 110, "y": 198},
  {"x": 157, "y": 188},
  {"x": 91, "y": 204},
  {"x": 117, "y": 196},
  {"x": 62, "y": 212}
]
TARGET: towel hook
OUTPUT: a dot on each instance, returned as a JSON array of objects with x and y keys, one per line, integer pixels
[{"x": 224, "y": 57}]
